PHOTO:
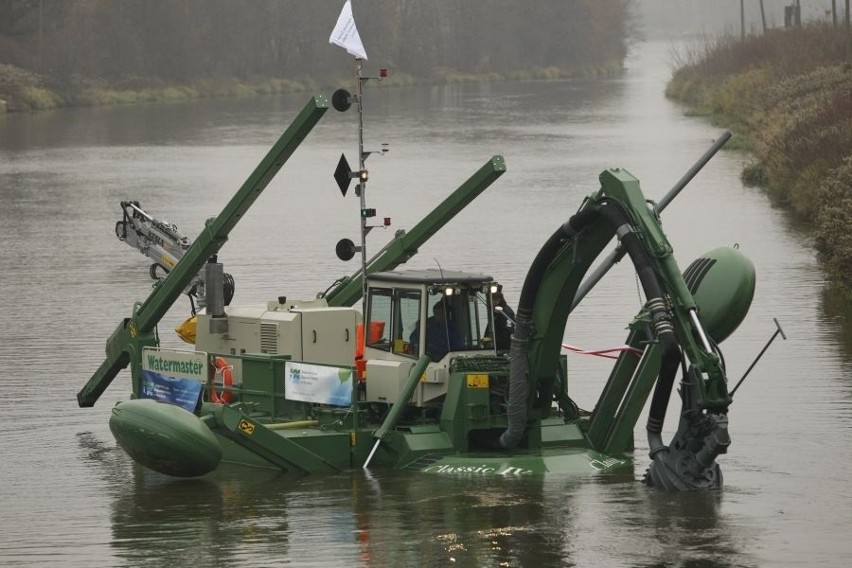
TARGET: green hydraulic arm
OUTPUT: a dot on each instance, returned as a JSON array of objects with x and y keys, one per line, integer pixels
[
  {"x": 138, "y": 331},
  {"x": 568, "y": 262},
  {"x": 404, "y": 245},
  {"x": 625, "y": 188},
  {"x": 667, "y": 328}
]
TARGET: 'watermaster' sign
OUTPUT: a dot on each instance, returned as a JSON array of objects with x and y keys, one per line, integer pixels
[
  {"x": 318, "y": 383},
  {"x": 172, "y": 376}
]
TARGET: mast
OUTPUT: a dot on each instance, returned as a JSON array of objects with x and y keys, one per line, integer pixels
[
  {"x": 362, "y": 181},
  {"x": 342, "y": 100},
  {"x": 345, "y": 34}
]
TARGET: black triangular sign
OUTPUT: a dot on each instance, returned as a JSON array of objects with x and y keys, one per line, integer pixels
[{"x": 343, "y": 175}]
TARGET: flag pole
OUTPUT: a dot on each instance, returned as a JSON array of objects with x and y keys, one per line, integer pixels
[{"x": 345, "y": 34}]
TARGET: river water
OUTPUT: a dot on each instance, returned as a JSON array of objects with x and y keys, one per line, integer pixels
[{"x": 70, "y": 497}]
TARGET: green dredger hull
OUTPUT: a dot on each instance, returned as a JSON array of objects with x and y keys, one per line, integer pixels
[
  {"x": 173, "y": 441},
  {"x": 470, "y": 409},
  {"x": 265, "y": 429}
]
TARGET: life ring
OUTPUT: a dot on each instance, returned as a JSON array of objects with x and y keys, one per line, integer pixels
[{"x": 228, "y": 380}]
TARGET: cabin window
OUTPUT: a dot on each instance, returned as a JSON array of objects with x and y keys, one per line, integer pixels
[
  {"x": 458, "y": 318},
  {"x": 379, "y": 317},
  {"x": 407, "y": 318},
  {"x": 393, "y": 316},
  {"x": 479, "y": 319}
]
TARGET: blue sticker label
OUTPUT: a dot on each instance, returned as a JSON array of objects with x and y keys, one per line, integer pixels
[{"x": 178, "y": 391}]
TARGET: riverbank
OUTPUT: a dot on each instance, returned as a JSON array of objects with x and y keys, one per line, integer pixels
[
  {"x": 788, "y": 95},
  {"x": 24, "y": 91}
]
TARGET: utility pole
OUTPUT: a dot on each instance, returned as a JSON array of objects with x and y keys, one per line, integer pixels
[
  {"x": 41, "y": 35},
  {"x": 763, "y": 16},
  {"x": 848, "y": 40},
  {"x": 742, "y": 20}
]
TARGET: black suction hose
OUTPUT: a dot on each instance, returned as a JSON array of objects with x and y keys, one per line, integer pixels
[
  {"x": 545, "y": 256},
  {"x": 516, "y": 407}
]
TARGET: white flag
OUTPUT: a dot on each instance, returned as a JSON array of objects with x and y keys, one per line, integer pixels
[{"x": 345, "y": 34}]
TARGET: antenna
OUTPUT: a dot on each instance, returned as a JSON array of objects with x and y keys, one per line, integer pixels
[
  {"x": 440, "y": 269},
  {"x": 446, "y": 307}
]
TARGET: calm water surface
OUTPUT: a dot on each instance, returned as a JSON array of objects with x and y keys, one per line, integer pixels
[{"x": 70, "y": 497}]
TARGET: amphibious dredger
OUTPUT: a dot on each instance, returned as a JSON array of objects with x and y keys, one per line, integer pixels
[{"x": 418, "y": 379}]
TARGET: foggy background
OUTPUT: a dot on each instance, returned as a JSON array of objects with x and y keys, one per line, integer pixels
[{"x": 658, "y": 19}]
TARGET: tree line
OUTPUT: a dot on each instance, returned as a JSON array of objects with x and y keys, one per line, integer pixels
[{"x": 183, "y": 41}]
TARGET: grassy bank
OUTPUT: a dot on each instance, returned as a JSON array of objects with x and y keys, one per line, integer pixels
[
  {"x": 788, "y": 95},
  {"x": 23, "y": 91}
]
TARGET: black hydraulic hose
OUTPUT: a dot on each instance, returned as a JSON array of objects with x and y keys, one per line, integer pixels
[
  {"x": 662, "y": 392},
  {"x": 516, "y": 406},
  {"x": 660, "y": 320}
]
